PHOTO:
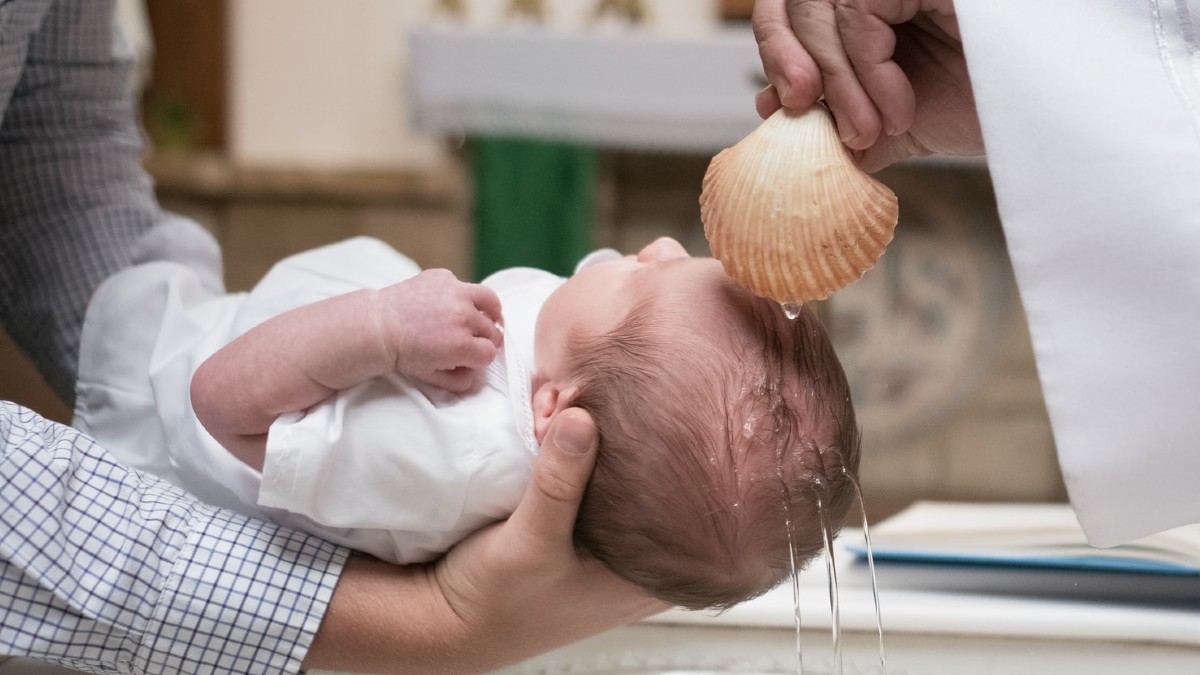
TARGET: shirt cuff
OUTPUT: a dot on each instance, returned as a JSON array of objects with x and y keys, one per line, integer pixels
[{"x": 243, "y": 596}]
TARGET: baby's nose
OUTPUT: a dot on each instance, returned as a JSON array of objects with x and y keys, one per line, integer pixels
[{"x": 662, "y": 249}]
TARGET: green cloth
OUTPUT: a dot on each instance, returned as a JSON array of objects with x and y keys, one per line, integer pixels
[{"x": 534, "y": 202}]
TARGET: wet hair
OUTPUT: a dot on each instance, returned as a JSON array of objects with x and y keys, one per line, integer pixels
[{"x": 713, "y": 441}]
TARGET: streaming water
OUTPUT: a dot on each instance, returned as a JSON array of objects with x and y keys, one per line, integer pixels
[
  {"x": 795, "y": 589},
  {"x": 834, "y": 589},
  {"x": 870, "y": 567},
  {"x": 835, "y": 607},
  {"x": 792, "y": 311}
]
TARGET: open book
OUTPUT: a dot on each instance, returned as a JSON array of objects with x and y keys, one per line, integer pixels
[{"x": 1023, "y": 535}]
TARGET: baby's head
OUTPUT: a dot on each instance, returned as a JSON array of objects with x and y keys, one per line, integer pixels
[{"x": 720, "y": 422}]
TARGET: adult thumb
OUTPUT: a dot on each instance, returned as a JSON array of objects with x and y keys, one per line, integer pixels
[{"x": 560, "y": 476}]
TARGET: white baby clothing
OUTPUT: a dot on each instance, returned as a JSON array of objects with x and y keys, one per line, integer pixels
[{"x": 393, "y": 467}]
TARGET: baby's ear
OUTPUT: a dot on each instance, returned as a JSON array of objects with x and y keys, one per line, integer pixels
[{"x": 549, "y": 400}]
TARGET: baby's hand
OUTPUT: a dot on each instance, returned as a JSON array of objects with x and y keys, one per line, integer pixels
[{"x": 440, "y": 330}]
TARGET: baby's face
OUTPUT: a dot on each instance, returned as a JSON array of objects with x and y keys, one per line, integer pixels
[{"x": 596, "y": 299}]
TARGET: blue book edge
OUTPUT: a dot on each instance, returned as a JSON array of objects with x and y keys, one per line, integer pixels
[{"x": 1092, "y": 563}]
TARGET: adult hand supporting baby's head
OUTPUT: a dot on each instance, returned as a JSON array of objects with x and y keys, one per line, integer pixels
[
  {"x": 520, "y": 587},
  {"x": 505, "y": 594}
]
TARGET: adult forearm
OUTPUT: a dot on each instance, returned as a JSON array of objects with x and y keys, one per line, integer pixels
[
  {"x": 388, "y": 619},
  {"x": 106, "y": 569},
  {"x": 74, "y": 200}
]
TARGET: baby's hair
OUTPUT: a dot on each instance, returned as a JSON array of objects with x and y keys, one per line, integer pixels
[{"x": 710, "y": 442}]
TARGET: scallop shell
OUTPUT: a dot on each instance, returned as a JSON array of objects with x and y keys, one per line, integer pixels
[{"x": 790, "y": 214}]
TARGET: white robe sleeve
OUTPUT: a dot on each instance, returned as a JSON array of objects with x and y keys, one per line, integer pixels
[{"x": 1090, "y": 112}]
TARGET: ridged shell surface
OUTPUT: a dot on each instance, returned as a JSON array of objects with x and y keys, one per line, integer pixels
[{"x": 789, "y": 213}]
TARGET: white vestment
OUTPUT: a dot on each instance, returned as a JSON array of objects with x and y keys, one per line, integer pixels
[{"x": 1090, "y": 112}]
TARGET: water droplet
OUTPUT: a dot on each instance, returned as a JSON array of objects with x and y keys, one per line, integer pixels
[{"x": 792, "y": 309}]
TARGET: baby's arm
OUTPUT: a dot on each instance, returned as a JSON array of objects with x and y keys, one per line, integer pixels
[{"x": 432, "y": 327}]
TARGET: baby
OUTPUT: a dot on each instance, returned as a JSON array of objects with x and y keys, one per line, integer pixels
[{"x": 399, "y": 417}]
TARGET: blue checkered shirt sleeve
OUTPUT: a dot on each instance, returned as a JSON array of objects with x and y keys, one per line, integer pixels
[{"x": 108, "y": 570}]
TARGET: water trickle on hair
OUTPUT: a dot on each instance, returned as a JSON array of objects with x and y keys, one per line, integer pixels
[
  {"x": 820, "y": 481},
  {"x": 792, "y": 309}
]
